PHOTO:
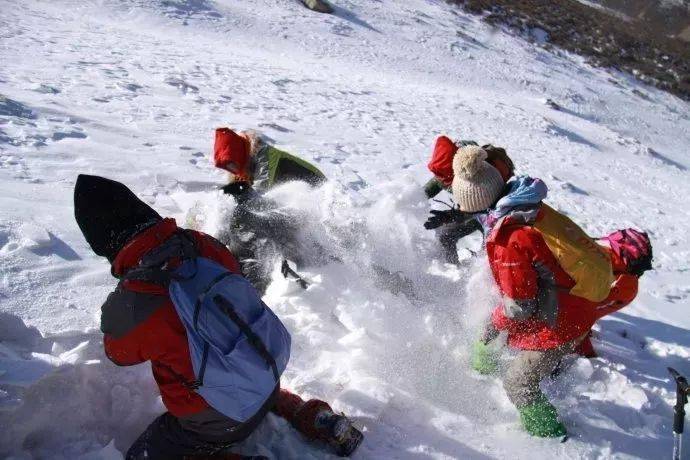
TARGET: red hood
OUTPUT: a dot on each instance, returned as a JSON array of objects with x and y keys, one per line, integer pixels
[
  {"x": 231, "y": 147},
  {"x": 150, "y": 238},
  {"x": 441, "y": 163}
]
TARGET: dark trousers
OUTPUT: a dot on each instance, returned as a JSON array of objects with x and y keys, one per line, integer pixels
[
  {"x": 166, "y": 438},
  {"x": 203, "y": 434},
  {"x": 449, "y": 235},
  {"x": 211, "y": 433}
]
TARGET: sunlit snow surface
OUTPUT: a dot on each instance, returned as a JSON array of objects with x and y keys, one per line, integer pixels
[{"x": 132, "y": 90}]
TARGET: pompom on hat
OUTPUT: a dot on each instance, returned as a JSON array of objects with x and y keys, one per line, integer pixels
[{"x": 476, "y": 185}]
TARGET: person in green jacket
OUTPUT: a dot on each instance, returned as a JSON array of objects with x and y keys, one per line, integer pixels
[{"x": 260, "y": 232}]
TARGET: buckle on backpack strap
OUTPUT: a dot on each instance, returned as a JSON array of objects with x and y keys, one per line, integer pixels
[{"x": 193, "y": 385}]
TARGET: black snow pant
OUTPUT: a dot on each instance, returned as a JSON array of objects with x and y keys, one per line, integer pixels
[
  {"x": 257, "y": 259},
  {"x": 260, "y": 234},
  {"x": 449, "y": 235},
  {"x": 203, "y": 434}
]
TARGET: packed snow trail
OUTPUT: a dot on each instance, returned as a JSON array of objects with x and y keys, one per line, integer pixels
[{"x": 132, "y": 90}]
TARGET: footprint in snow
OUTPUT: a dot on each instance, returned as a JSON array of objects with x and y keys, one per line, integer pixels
[
  {"x": 185, "y": 10},
  {"x": 275, "y": 127},
  {"x": 357, "y": 185},
  {"x": 283, "y": 82},
  {"x": 133, "y": 87},
  {"x": 68, "y": 135},
  {"x": 12, "y": 108},
  {"x": 182, "y": 85},
  {"x": 46, "y": 89},
  {"x": 343, "y": 30},
  {"x": 198, "y": 159}
]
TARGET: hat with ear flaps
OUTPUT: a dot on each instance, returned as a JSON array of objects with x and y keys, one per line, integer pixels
[
  {"x": 476, "y": 184},
  {"x": 109, "y": 214}
]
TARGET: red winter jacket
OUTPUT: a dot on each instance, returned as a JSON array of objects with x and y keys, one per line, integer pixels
[
  {"x": 140, "y": 323},
  {"x": 538, "y": 312}
]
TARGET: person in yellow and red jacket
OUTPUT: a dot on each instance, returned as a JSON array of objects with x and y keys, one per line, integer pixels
[
  {"x": 554, "y": 280},
  {"x": 140, "y": 323}
]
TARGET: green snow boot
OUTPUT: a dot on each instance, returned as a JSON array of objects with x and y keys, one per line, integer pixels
[
  {"x": 541, "y": 419},
  {"x": 320, "y": 6},
  {"x": 485, "y": 358}
]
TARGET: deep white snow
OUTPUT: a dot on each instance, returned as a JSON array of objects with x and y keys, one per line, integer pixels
[{"x": 132, "y": 90}]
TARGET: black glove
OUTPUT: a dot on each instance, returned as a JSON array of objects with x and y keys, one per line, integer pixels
[
  {"x": 287, "y": 271},
  {"x": 237, "y": 189},
  {"x": 439, "y": 218}
]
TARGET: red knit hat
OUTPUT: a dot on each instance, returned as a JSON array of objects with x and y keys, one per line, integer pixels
[{"x": 231, "y": 151}]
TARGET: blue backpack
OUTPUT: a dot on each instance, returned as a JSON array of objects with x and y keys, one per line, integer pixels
[{"x": 238, "y": 346}]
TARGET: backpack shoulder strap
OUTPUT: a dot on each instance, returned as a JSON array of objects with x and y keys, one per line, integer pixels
[
  {"x": 153, "y": 266},
  {"x": 253, "y": 339}
]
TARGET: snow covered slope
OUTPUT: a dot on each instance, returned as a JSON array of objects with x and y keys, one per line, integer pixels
[{"x": 133, "y": 89}]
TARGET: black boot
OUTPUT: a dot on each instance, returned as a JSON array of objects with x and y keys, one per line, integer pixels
[{"x": 339, "y": 432}]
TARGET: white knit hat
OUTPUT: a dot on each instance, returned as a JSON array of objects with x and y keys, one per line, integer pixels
[{"x": 477, "y": 184}]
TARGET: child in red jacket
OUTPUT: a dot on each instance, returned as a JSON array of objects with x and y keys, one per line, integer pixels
[
  {"x": 452, "y": 225},
  {"x": 140, "y": 324},
  {"x": 548, "y": 307}
]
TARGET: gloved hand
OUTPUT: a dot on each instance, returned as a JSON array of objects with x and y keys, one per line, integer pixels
[
  {"x": 237, "y": 189},
  {"x": 485, "y": 358},
  {"x": 439, "y": 218},
  {"x": 287, "y": 271}
]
